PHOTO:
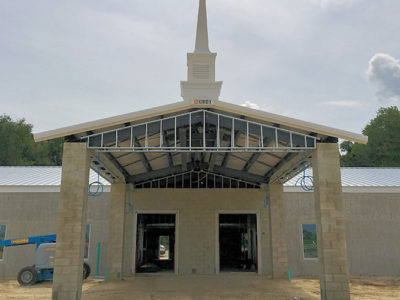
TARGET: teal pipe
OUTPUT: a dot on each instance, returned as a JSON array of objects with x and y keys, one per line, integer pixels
[
  {"x": 288, "y": 274},
  {"x": 98, "y": 259},
  {"x": 105, "y": 273}
]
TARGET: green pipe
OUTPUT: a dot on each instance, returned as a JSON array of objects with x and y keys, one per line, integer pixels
[
  {"x": 288, "y": 274},
  {"x": 105, "y": 273},
  {"x": 98, "y": 259}
]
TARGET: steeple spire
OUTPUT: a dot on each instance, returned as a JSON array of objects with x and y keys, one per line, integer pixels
[
  {"x": 201, "y": 86},
  {"x": 202, "y": 31}
]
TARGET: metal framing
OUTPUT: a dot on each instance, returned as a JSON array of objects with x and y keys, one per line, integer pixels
[
  {"x": 203, "y": 136},
  {"x": 196, "y": 180}
]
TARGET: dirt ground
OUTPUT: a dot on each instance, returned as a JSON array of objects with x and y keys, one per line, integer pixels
[{"x": 210, "y": 287}]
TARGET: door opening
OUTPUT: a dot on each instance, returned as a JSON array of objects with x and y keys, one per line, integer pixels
[
  {"x": 155, "y": 243},
  {"x": 238, "y": 242}
]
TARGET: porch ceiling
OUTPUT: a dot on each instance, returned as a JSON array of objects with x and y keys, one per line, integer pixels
[{"x": 222, "y": 143}]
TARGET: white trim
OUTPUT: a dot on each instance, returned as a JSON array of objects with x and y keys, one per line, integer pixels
[
  {"x": 176, "y": 249},
  {"x": 351, "y": 189},
  {"x": 258, "y": 227}
]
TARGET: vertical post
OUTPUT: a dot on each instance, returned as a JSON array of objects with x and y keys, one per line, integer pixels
[
  {"x": 116, "y": 224},
  {"x": 71, "y": 222},
  {"x": 98, "y": 258},
  {"x": 331, "y": 231},
  {"x": 278, "y": 230}
]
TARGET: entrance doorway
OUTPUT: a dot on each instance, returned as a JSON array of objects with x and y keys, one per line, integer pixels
[
  {"x": 155, "y": 243},
  {"x": 238, "y": 242}
]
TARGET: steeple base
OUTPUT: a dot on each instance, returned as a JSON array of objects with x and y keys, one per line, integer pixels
[{"x": 191, "y": 91}]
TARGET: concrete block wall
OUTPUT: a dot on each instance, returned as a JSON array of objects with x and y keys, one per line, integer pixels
[
  {"x": 198, "y": 222},
  {"x": 35, "y": 213},
  {"x": 372, "y": 226}
]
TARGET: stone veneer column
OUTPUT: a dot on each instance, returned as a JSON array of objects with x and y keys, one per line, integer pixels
[
  {"x": 71, "y": 222},
  {"x": 331, "y": 230},
  {"x": 278, "y": 233},
  {"x": 116, "y": 224}
]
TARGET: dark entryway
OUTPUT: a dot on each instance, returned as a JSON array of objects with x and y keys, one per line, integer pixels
[
  {"x": 238, "y": 242},
  {"x": 155, "y": 243}
]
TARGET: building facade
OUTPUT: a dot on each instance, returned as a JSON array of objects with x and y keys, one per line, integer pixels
[{"x": 197, "y": 188}]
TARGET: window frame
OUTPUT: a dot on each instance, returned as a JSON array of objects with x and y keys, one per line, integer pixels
[
  {"x": 308, "y": 259},
  {"x": 3, "y": 258},
  {"x": 88, "y": 247}
]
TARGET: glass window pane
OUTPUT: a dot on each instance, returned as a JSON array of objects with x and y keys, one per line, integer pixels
[
  {"x": 269, "y": 137},
  {"x": 153, "y": 134},
  {"x": 283, "y": 138},
  {"x": 310, "y": 142},
  {"x": 182, "y": 131},
  {"x": 168, "y": 127},
  {"x": 197, "y": 129},
  {"x": 138, "y": 135},
  {"x": 109, "y": 139},
  {"x": 254, "y": 135},
  {"x": 211, "y": 129},
  {"x": 298, "y": 140},
  {"x": 124, "y": 137},
  {"x": 310, "y": 249},
  {"x": 95, "y": 141},
  {"x": 87, "y": 240},
  {"x": 225, "y": 131},
  {"x": 240, "y": 133}
]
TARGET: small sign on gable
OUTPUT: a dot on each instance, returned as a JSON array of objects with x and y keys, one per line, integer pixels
[{"x": 203, "y": 102}]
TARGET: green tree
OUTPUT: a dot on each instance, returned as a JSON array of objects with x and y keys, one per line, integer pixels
[
  {"x": 17, "y": 147},
  {"x": 383, "y": 147}
]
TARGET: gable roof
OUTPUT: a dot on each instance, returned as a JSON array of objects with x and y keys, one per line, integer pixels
[{"x": 80, "y": 130}]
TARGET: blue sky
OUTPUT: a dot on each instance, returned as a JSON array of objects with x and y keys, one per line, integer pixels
[{"x": 333, "y": 62}]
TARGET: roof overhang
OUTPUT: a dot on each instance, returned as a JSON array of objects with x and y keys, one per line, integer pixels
[
  {"x": 148, "y": 114},
  {"x": 140, "y": 162}
]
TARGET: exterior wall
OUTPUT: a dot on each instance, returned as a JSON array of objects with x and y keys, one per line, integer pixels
[
  {"x": 372, "y": 223},
  {"x": 30, "y": 214},
  {"x": 197, "y": 232}
]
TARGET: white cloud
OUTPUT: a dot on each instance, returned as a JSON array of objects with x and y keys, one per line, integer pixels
[
  {"x": 250, "y": 104},
  {"x": 342, "y": 103},
  {"x": 384, "y": 71}
]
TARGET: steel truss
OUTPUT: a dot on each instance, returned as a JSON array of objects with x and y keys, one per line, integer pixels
[
  {"x": 200, "y": 131},
  {"x": 196, "y": 180}
]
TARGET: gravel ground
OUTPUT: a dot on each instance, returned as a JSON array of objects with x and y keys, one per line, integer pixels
[{"x": 210, "y": 287}]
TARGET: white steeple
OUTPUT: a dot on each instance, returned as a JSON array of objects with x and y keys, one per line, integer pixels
[
  {"x": 201, "y": 84},
  {"x": 202, "y": 32}
]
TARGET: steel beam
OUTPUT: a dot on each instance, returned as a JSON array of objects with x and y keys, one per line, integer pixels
[
  {"x": 245, "y": 176},
  {"x": 143, "y": 157},
  {"x": 279, "y": 165},
  {"x": 251, "y": 161}
]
